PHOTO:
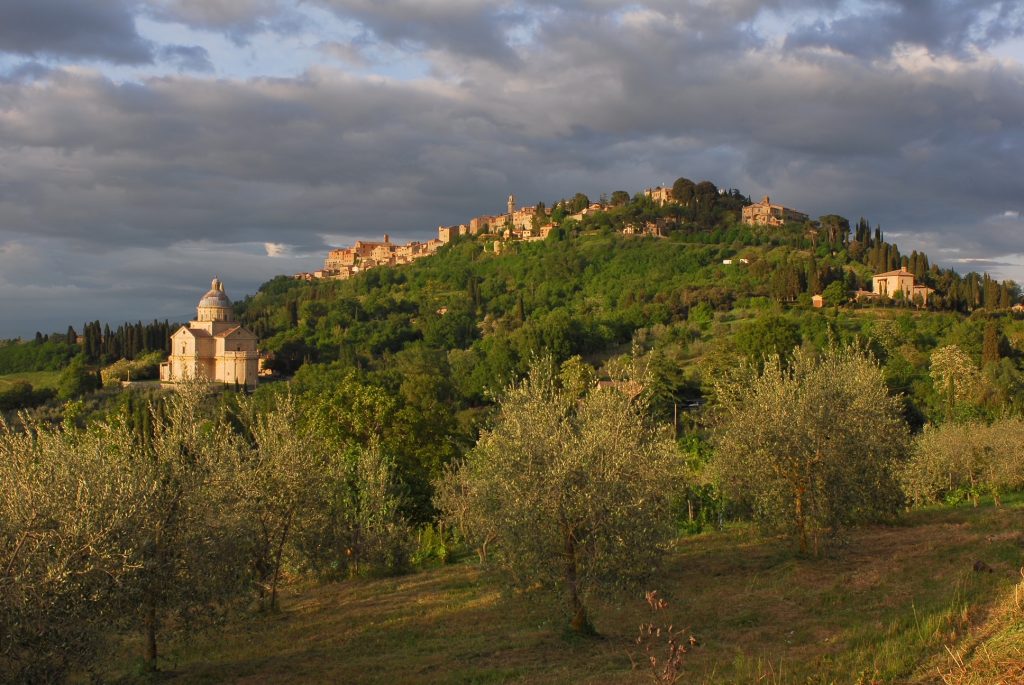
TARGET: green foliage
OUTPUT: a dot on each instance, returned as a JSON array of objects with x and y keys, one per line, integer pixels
[
  {"x": 77, "y": 379},
  {"x": 956, "y": 379},
  {"x": 572, "y": 486},
  {"x": 834, "y": 294},
  {"x": 835, "y": 229},
  {"x": 683, "y": 191},
  {"x": 435, "y": 545},
  {"x": 812, "y": 446},
  {"x": 972, "y": 458},
  {"x": 701, "y": 314},
  {"x": 358, "y": 527},
  {"x": 50, "y": 354},
  {"x": 144, "y": 368},
  {"x": 766, "y": 336},
  {"x": 405, "y": 411},
  {"x": 21, "y": 395}
]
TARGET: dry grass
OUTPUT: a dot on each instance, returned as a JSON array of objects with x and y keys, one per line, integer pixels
[
  {"x": 992, "y": 655},
  {"x": 884, "y": 608}
]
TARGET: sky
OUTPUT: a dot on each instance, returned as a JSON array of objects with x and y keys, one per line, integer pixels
[{"x": 148, "y": 145}]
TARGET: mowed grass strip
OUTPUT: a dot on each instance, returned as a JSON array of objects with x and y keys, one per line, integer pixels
[
  {"x": 882, "y": 608},
  {"x": 38, "y": 379}
]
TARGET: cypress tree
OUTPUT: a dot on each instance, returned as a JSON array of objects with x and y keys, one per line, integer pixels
[{"x": 990, "y": 344}]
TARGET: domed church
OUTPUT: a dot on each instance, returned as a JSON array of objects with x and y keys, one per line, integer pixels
[{"x": 214, "y": 346}]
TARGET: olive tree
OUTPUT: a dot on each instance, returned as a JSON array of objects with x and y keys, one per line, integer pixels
[
  {"x": 279, "y": 467},
  {"x": 811, "y": 446},
  {"x": 67, "y": 512},
  {"x": 357, "y": 526},
  {"x": 969, "y": 458},
  {"x": 187, "y": 541},
  {"x": 571, "y": 487},
  {"x": 104, "y": 528}
]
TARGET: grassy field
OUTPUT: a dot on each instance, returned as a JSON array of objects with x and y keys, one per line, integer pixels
[
  {"x": 883, "y": 609},
  {"x": 38, "y": 379}
]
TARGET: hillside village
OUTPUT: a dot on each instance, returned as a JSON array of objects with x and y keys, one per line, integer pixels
[
  {"x": 536, "y": 222},
  {"x": 526, "y": 224},
  {"x": 522, "y": 223}
]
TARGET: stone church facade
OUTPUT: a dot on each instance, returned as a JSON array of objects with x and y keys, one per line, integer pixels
[{"x": 213, "y": 347}]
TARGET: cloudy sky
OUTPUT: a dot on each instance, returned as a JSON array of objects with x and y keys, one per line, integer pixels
[{"x": 146, "y": 145}]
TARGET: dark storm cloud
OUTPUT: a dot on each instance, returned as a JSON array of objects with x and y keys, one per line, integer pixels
[
  {"x": 597, "y": 96},
  {"x": 942, "y": 27},
  {"x": 237, "y": 19},
  {"x": 74, "y": 29},
  {"x": 475, "y": 28},
  {"x": 187, "y": 57}
]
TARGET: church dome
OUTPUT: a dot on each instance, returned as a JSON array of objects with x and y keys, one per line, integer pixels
[
  {"x": 215, "y": 305},
  {"x": 215, "y": 297}
]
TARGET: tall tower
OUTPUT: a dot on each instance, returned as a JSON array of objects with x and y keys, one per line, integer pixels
[{"x": 511, "y": 204}]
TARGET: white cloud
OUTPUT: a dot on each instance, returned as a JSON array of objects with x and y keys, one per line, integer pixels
[{"x": 275, "y": 249}]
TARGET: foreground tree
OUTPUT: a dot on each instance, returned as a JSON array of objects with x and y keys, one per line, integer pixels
[
  {"x": 66, "y": 535},
  {"x": 278, "y": 474},
  {"x": 572, "y": 486},
  {"x": 187, "y": 539},
  {"x": 109, "y": 527},
  {"x": 812, "y": 446}
]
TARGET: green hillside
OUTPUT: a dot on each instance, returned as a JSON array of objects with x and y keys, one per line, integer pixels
[
  {"x": 470, "y": 468},
  {"x": 442, "y": 336}
]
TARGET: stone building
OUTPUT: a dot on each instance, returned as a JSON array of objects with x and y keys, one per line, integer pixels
[
  {"x": 367, "y": 249},
  {"x": 764, "y": 213},
  {"x": 340, "y": 259},
  {"x": 660, "y": 195},
  {"x": 890, "y": 283},
  {"x": 448, "y": 233},
  {"x": 213, "y": 347}
]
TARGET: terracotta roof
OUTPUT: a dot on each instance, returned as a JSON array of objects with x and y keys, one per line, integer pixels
[
  {"x": 224, "y": 334},
  {"x": 897, "y": 272}
]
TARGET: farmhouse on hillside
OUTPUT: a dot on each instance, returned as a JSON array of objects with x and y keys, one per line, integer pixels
[{"x": 890, "y": 283}]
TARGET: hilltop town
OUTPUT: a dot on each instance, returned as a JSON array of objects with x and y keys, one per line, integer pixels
[{"x": 517, "y": 224}]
